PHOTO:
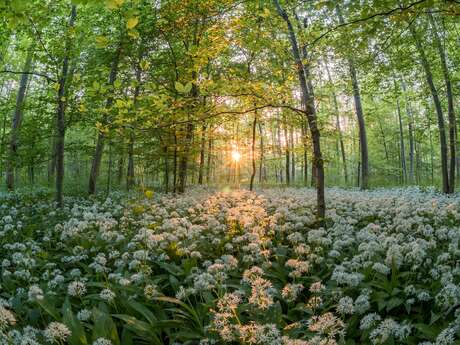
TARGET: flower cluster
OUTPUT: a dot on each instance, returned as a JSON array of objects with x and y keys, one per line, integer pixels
[{"x": 212, "y": 267}]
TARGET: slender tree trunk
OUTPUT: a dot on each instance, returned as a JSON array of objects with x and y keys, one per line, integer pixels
[
  {"x": 175, "y": 163},
  {"x": 401, "y": 140},
  {"x": 3, "y": 138},
  {"x": 11, "y": 163},
  {"x": 61, "y": 108},
  {"x": 291, "y": 138},
  {"x": 109, "y": 169},
  {"x": 431, "y": 147},
  {"x": 438, "y": 107},
  {"x": 253, "y": 151},
  {"x": 184, "y": 158},
  {"x": 130, "y": 172},
  {"x": 337, "y": 125},
  {"x": 280, "y": 154},
  {"x": 450, "y": 104},
  {"x": 97, "y": 158},
  {"x": 209, "y": 162},
  {"x": 121, "y": 165},
  {"x": 287, "y": 153},
  {"x": 360, "y": 117},
  {"x": 202, "y": 154},
  {"x": 411, "y": 133},
  {"x": 310, "y": 112},
  {"x": 305, "y": 153},
  {"x": 166, "y": 172},
  {"x": 261, "y": 159}
]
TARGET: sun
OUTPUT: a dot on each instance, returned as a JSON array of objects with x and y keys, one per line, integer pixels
[{"x": 236, "y": 156}]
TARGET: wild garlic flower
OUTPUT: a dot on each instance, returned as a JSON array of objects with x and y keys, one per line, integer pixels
[
  {"x": 76, "y": 289},
  {"x": 56, "y": 332},
  {"x": 107, "y": 294},
  {"x": 35, "y": 293},
  {"x": 102, "y": 341}
]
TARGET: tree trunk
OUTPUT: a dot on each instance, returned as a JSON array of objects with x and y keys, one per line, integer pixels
[
  {"x": 401, "y": 140},
  {"x": 97, "y": 159},
  {"x": 411, "y": 133},
  {"x": 175, "y": 163},
  {"x": 438, "y": 107},
  {"x": 109, "y": 169},
  {"x": 291, "y": 138},
  {"x": 166, "y": 172},
  {"x": 360, "y": 117},
  {"x": 261, "y": 159},
  {"x": 184, "y": 158},
  {"x": 450, "y": 104},
  {"x": 287, "y": 153},
  {"x": 305, "y": 153},
  {"x": 130, "y": 173},
  {"x": 337, "y": 125},
  {"x": 11, "y": 162},
  {"x": 209, "y": 160},
  {"x": 202, "y": 153},
  {"x": 280, "y": 154},
  {"x": 431, "y": 147},
  {"x": 61, "y": 108},
  {"x": 121, "y": 165},
  {"x": 253, "y": 151},
  {"x": 310, "y": 112}
]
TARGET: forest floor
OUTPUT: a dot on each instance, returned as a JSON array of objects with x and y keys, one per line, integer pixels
[{"x": 236, "y": 267}]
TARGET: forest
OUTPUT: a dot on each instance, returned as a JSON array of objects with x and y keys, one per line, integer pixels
[{"x": 255, "y": 172}]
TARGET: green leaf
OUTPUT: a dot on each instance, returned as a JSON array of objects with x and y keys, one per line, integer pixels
[
  {"x": 179, "y": 87},
  {"x": 104, "y": 326},
  {"x": 132, "y": 22},
  {"x": 78, "y": 336},
  {"x": 114, "y": 4},
  {"x": 49, "y": 308},
  {"x": 188, "y": 87}
]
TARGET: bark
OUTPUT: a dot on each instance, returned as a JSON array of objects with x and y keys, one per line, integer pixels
[
  {"x": 450, "y": 104},
  {"x": 166, "y": 173},
  {"x": 121, "y": 164},
  {"x": 253, "y": 151},
  {"x": 411, "y": 133},
  {"x": 16, "y": 122},
  {"x": 337, "y": 125},
  {"x": 364, "y": 181},
  {"x": 130, "y": 174},
  {"x": 431, "y": 147},
  {"x": 280, "y": 154},
  {"x": 109, "y": 169},
  {"x": 184, "y": 158},
  {"x": 61, "y": 108},
  {"x": 99, "y": 150},
  {"x": 438, "y": 107},
  {"x": 287, "y": 153},
  {"x": 202, "y": 154},
  {"x": 175, "y": 164},
  {"x": 3, "y": 138},
  {"x": 261, "y": 158},
  {"x": 401, "y": 140},
  {"x": 291, "y": 138},
  {"x": 209, "y": 158},
  {"x": 305, "y": 153},
  {"x": 310, "y": 112}
]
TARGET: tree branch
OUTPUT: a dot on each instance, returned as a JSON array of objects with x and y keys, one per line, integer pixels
[
  {"x": 38, "y": 74},
  {"x": 359, "y": 20}
]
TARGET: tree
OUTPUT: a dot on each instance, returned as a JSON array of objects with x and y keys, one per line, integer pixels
[{"x": 310, "y": 112}]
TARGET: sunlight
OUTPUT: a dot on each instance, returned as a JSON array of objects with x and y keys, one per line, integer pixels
[{"x": 236, "y": 156}]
